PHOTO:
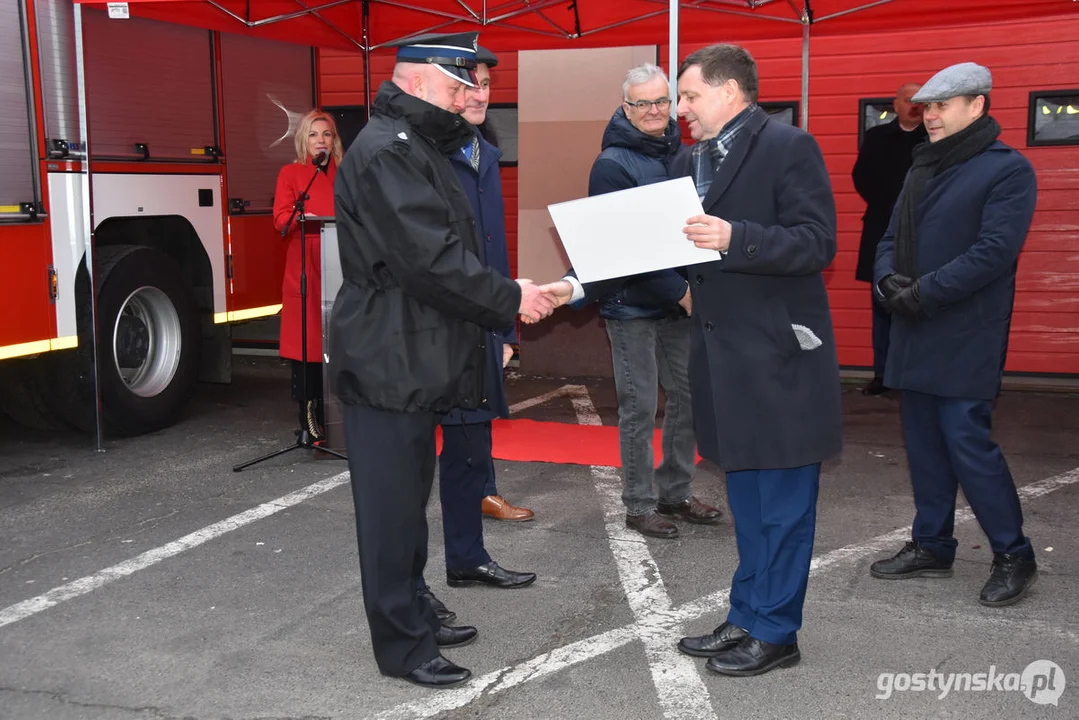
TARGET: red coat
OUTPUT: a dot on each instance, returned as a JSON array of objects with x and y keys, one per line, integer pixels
[{"x": 291, "y": 181}]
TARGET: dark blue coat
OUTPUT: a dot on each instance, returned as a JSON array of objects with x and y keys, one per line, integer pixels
[
  {"x": 631, "y": 158},
  {"x": 971, "y": 224},
  {"x": 484, "y": 191},
  {"x": 760, "y": 402}
]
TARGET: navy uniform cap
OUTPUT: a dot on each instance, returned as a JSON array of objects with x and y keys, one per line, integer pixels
[
  {"x": 485, "y": 57},
  {"x": 453, "y": 53}
]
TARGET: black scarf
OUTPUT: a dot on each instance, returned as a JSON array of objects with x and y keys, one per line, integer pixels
[{"x": 930, "y": 160}]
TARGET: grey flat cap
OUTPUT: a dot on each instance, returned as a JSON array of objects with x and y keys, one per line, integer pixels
[{"x": 963, "y": 79}]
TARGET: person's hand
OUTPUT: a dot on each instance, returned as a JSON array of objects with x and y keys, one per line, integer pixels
[
  {"x": 560, "y": 292},
  {"x": 687, "y": 302},
  {"x": 507, "y": 355},
  {"x": 535, "y": 304},
  {"x": 709, "y": 232},
  {"x": 891, "y": 285},
  {"x": 907, "y": 302}
]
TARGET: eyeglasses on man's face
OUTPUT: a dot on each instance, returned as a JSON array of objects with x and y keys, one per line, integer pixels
[{"x": 646, "y": 105}]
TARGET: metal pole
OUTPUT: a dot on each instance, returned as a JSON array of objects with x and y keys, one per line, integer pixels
[
  {"x": 88, "y": 222},
  {"x": 672, "y": 66},
  {"x": 365, "y": 15},
  {"x": 805, "y": 72}
]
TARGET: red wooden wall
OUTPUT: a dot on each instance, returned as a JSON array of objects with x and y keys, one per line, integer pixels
[{"x": 1024, "y": 56}]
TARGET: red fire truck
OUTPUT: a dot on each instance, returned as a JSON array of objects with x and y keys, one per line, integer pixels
[{"x": 166, "y": 140}]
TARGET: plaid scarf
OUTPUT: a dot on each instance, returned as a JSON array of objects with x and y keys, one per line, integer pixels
[{"x": 709, "y": 154}]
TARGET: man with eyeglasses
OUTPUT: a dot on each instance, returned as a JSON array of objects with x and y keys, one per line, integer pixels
[{"x": 647, "y": 318}]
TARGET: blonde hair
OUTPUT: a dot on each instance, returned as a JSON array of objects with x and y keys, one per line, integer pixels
[{"x": 305, "y": 128}]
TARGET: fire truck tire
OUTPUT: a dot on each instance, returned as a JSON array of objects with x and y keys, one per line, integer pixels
[{"x": 148, "y": 345}]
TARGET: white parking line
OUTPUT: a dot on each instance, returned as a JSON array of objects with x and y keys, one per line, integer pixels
[
  {"x": 671, "y": 622},
  {"x": 75, "y": 588}
]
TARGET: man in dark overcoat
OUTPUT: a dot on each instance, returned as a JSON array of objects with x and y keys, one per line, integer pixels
[
  {"x": 763, "y": 368},
  {"x": 408, "y": 334},
  {"x": 946, "y": 271}
]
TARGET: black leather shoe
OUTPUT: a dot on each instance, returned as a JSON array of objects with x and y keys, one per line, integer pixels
[
  {"x": 489, "y": 574},
  {"x": 875, "y": 386},
  {"x": 1009, "y": 579},
  {"x": 723, "y": 638},
  {"x": 912, "y": 561},
  {"x": 444, "y": 614},
  {"x": 691, "y": 510},
  {"x": 438, "y": 672},
  {"x": 448, "y": 636},
  {"x": 652, "y": 524},
  {"x": 753, "y": 657}
]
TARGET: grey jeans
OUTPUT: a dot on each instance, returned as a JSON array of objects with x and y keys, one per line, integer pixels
[{"x": 647, "y": 353}]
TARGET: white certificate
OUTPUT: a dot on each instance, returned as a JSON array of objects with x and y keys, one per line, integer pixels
[{"x": 630, "y": 231}]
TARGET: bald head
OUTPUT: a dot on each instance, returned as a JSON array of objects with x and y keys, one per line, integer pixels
[
  {"x": 430, "y": 84},
  {"x": 909, "y": 114}
]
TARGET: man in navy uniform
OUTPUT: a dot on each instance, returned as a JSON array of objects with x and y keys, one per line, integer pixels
[
  {"x": 946, "y": 271},
  {"x": 409, "y": 330},
  {"x": 762, "y": 365}
]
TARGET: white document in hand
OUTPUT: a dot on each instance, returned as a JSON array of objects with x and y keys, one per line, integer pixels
[{"x": 630, "y": 231}]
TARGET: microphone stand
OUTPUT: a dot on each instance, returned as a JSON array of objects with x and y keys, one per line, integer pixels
[{"x": 303, "y": 437}]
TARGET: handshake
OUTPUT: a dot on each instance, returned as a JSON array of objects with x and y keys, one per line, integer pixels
[{"x": 539, "y": 301}]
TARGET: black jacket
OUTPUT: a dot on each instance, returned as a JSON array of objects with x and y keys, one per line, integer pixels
[
  {"x": 631, "y": 158},
  {"x": 760, "y": 402},
  {"x": 878, "y": 174},
  {"x": 407, "y": 329}
]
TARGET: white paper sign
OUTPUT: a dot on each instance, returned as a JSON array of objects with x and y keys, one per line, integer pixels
[
  {"x": 630, "y": 231},
  {"x": 118, "y": 11}
]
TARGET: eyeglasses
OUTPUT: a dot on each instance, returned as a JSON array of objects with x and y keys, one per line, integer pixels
[{"x": 646, "y": 105}]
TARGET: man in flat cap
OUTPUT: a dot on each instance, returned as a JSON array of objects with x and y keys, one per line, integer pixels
[
  {"x": 408, "y": 334},
  {"x": 466, "y": 470},
  {"x": 946, "y": 271}
]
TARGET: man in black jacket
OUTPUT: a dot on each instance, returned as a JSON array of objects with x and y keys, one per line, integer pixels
[
  {"x": 766, "y": 395},
  {"x": 879, "y": 171},
  {"x": 648, "y": 330},
  {"x": 408, "y": 334}
]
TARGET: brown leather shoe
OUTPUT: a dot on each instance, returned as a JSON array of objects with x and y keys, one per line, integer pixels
[
  {"x": 495, "y": 507},
  {"x": 691, "y": 510},
  {"x": 652, "y": 525}
]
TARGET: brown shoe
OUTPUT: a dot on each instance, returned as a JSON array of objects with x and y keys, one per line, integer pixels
[
  {"x": 495, "y": 507},
  {"x": 652, "y": 525},
  {"x": 691, "y": 510}
]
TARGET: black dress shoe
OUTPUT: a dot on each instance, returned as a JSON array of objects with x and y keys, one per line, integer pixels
[
  {"x": 448, "y": 636},
  {"x": 912, "y": 561},
  {"x": 438, "y": 672},
  {"x": 489, "y": 574},
  {"x": 753, "y": 657},
  {"x": 875, "y": 386},
  {"x": 691, "y": 510},
  {"x": 445, "y": 615},
  {"x": 1009, "y": 579},
  {"x": 723, "y": 638},
  {"x": 652, "y": 524}
]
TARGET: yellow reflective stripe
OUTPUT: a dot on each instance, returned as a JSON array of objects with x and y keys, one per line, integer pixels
[
  {"x": 249, "y": 314},
  {"x": 10, "y": 209},
  {"x": 38, "y": 346}
]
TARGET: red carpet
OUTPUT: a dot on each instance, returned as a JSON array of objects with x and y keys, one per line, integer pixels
[{"x": 561, "y": 443}]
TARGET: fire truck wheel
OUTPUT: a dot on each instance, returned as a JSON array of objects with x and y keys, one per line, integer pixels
[{"x": 148, "y": 344}]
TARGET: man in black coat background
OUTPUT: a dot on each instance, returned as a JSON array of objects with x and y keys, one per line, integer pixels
[
  {"x": 883, "y": 161},
  {"x": 408, "y": 334},
  {"x": 763, "y": 367}
]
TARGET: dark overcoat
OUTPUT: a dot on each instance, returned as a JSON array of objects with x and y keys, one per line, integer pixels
[
  {"x": 971, "y": 224},
  {"x": 759, "y": 400}
]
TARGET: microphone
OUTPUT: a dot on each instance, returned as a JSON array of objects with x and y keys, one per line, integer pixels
[{"x": 321, "y": 159}]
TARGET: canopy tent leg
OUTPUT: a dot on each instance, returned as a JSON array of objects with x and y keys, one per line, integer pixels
[
  {"x": 365, "y": 29},
  {"x": 672, "y": 54},
  {"x": 807, "y": 21}
]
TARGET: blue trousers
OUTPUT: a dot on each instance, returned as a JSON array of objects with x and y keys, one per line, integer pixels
[
  {"x": 775, "y": 520},
  {"x": 882, "y": 328},
  {"x": 948, "y": 447},
  {"x": 465, "y": 467}
]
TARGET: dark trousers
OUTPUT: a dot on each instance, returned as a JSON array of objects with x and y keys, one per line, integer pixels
[
  {"x": 948, "y": 447},
  {"x": 464, "y": 466},
  {"x": 391, "y": 458},
  {"x": 882, "y": 328},
  {"x": 775, "y": 520}
]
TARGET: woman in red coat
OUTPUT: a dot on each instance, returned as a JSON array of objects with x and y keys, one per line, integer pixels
[{"x": 316, "y": 134}]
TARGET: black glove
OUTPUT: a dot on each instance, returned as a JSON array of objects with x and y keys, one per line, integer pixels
[
  {"x": 891, "y": 285},
  {"x": 906, "y": 302}
]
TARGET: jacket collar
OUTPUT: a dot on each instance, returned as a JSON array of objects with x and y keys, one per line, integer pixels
[
  {"x": 620, "y": 132},
  {"x": 489, "y": 155},
  {"x": 757, "y": 119},
  {"x": 447, "y": 131}
]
